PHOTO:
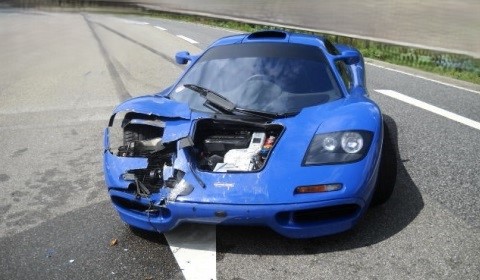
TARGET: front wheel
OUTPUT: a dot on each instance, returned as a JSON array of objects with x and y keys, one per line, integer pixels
[
  {"x": 137, "y": 132},
  {"x": 387, "y": 173}
]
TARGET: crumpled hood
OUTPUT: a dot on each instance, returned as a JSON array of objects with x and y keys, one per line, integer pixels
[
  {"x": 176, "y": 115},
  {"x": 155, "y": 105}
]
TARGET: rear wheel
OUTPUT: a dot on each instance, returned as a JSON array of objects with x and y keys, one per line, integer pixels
[{"x": 387, "y": 173}]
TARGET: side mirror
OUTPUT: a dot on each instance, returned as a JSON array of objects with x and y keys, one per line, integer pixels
[
  {"x": 349, "y": 57},
  {"x": 183, "y": 57}
]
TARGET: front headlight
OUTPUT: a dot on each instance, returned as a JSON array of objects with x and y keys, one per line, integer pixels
[{"x": 338, "y": 147}]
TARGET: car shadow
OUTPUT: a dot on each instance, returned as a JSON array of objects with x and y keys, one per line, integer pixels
[{"x": 378, "y": 224}]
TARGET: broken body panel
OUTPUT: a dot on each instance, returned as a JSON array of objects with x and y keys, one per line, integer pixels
[{"x": 197, "y": 168}]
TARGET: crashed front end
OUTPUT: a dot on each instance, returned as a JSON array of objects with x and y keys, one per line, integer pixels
[
  {"x": 156, "y": 159},
  {"x": 180, "y": 166}
]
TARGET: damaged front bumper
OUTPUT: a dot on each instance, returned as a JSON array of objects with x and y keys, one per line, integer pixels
[
  {"x": 302, "y": 220},
  {"x": 161, "y": 213}
]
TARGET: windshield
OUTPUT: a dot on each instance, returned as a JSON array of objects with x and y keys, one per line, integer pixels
[{"x": 274, "y": 78}]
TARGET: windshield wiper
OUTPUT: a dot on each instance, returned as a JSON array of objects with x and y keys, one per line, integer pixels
[
  {"x": 213, "y": 99},
  {"x": 221, "y": 104},
  {"x": 254, "y": 113}
]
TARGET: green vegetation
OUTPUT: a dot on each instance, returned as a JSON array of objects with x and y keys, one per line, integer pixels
[{"x": 457, "y": 66}]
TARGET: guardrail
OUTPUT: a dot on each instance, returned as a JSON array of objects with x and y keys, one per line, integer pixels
[{"x": 446, "y": 26}]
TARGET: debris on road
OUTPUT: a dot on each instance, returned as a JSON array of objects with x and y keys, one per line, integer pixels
[
  {"x": 50, "y": 253},
  {"x": 113, "y": 242}
]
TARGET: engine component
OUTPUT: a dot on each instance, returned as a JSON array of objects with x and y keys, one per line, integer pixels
[
  {"x": 221, "y": 143},
  {"x": 155, "y": 175},
  {"x": 214, "y": 160},
  {"x": 267, "y": 146},
  {"x": 242, "y": 159}
]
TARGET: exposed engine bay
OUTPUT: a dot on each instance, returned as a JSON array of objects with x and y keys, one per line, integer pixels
[
  {"x": 215, "y": 146},
  {"x": 225, "y": 146}
]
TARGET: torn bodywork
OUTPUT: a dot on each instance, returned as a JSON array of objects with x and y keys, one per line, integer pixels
[{"x": 161, "y": 170}]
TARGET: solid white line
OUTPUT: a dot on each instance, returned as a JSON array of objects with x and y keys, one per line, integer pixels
[
  {"x": 424, "y": 78},
  {"x": 159, "y": 27},
  {"x": 187, "y": 39},
  {"x": 428, "y": 107},
  {"x": 195, "y": 249},
  {"x": 136, "y": 22}
]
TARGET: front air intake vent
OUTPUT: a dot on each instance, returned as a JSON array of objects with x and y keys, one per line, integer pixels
[{"x": 267, "y": 35}]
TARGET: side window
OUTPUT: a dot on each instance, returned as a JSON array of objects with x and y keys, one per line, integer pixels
[{"x": 344, "y": 71}]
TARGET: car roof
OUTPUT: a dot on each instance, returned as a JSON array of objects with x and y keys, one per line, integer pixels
[{"x": 275, "y": 36}]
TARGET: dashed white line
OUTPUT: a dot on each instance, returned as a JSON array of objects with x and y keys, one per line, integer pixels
[
  {"x": 187, "y": 39},
  {"x": 194, "y": 246},
  {"x": 424, "y": 78},
  {"x": 159, "y": 27},
  {"x": 428, "y": 107}
]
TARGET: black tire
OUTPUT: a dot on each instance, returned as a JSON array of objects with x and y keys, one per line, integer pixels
[
  {"x": 387, "y": 173},
  {"x": 133, "y": 133},
  {"x": 136, "y": 132}
]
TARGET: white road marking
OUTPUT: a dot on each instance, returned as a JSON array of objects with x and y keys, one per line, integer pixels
[
  {"x": 424, "y": 78},
  {"x": 195, "y": 249},
  {"x": 187, "y": 39},
  {"x": 136, "y": 22},
  {"x": 428, "y": 107},
  {"x": 159, "y": 27}
]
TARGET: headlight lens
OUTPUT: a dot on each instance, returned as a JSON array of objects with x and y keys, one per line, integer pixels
[
  {"x": 330, "y": 143},
  {"x": 338, "y": 147},
  {"x": 352, "y": 142}
]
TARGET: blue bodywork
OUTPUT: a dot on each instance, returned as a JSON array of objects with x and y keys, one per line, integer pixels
[{"x": 264, "y": 196}]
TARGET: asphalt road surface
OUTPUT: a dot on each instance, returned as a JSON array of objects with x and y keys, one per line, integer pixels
[{"x": 61, "y": 75}]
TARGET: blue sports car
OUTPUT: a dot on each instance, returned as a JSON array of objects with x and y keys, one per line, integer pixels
[{"x": 270, "y": 128}]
